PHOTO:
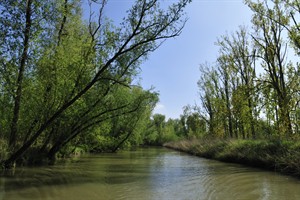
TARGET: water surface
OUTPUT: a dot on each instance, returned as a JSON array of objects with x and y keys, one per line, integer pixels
[{"x": 148, "y": 173}]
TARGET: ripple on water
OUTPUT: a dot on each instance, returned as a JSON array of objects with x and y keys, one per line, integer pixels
[{"x": 148, "y": 174}]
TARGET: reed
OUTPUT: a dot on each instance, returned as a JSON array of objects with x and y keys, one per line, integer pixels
[{"x": 278, "y": 155}]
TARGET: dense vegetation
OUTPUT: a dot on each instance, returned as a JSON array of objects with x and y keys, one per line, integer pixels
[
  {"x": 67, "y": 83},
  {"x": 250, "y": 97},
  {"x": 277, "y": 155},
  {"x": 252, "y": 90}
]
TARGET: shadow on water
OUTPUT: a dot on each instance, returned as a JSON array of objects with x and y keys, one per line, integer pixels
[
  {"x": 79, "y": 172},
  {"x": 113, "y": 168}
]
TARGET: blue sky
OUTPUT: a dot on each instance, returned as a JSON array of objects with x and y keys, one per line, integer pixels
[{"x": 173, "y": 69}]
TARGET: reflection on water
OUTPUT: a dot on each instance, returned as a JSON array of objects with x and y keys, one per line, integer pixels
[{"x": 150, "y": 173}]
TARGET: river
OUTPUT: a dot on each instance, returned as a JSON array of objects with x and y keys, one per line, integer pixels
[{"x": 147, "y": 173}]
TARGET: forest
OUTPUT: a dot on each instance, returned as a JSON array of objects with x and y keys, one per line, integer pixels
[
  {"x": 252, "y": 89},
  {"x": 68, "y": 83},
  {"x": 250, "y": 96}
]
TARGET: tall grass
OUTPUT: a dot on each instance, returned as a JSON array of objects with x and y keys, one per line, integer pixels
[{"x": 282, "y": 156}]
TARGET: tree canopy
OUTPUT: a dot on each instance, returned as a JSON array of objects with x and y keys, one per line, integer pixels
[{"x": 65, "y": 79}]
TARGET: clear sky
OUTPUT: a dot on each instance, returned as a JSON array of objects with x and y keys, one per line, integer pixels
[{"x": 173, "y": 69}]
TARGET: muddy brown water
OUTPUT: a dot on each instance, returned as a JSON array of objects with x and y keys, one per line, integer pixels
[{"x": 147, "y": 173}]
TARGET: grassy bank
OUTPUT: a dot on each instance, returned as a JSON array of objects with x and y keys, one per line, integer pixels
[{"x": 281, "y": 156}]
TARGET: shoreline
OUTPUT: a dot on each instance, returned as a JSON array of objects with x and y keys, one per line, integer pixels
[{"x": 278, "y": 156}]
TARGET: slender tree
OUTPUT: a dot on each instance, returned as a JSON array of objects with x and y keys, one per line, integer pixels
[
  {"x": 272, "y": 49},
  {"x": 237, "y": 61}
]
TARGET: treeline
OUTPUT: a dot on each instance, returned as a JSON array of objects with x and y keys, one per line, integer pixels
[
  {"x": 160, "y": 130},
  {"x": 253, "y": 88},
  {"x": 250, "y": 97},
  {"x": 67, "y": 82}
]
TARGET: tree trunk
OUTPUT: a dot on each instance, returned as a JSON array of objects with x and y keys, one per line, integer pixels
[
  {"x": 17, "y": 99},
  {"x": 285, "y": 125},
  {"x": 250, "y": 106}
]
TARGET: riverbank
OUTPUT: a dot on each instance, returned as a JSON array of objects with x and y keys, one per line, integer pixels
[{"x": 277, "y": 155}]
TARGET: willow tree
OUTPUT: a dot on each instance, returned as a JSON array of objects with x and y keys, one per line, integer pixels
[
  {"x": 21, "y": 22},
  {"x": 269, "y": 25},
  {"x": 226, "y": 75},
  {"x": 293, "y": 7},
  {"x": 100, "y": 56},
  {"x": 213, "y": 105},
  {"x": 237, "y": 64},
  {"x": 25, "y": 26}
]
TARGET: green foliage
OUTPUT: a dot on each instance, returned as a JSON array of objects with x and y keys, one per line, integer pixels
[
  {"x": 238, "y": 103},
  {"x": 3, "y": 148},
  {"x": 66, "y": 82},
  {"x": 160, "y": 131}
]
